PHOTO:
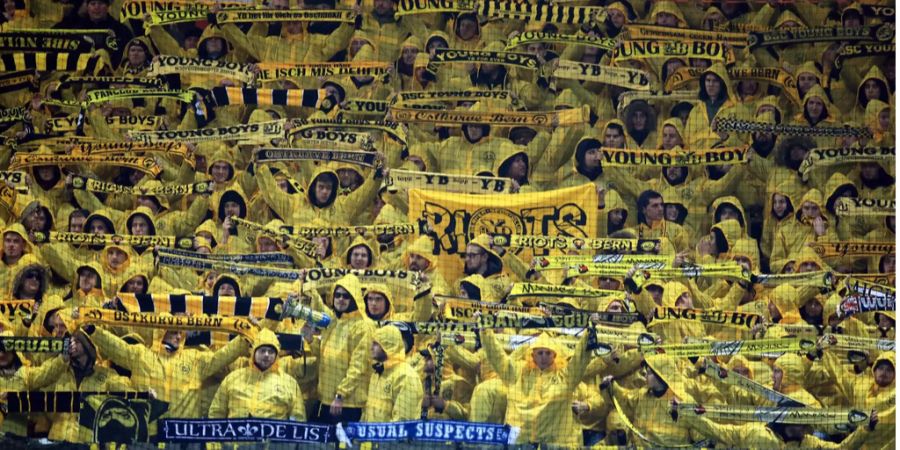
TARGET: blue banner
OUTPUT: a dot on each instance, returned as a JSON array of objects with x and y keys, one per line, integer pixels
[
  {"x": 431, "y": 430},
  {"x": 243, "y": 430}
]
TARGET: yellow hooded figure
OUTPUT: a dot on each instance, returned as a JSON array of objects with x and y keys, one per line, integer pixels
[
  {"x": 419, "y": 257},
  {"x": 812, "y": 224},
  {"x": 716, "y": 100},
  {"x": 361, "y": 254},
  {"x": 12, "y": 254},
  {"x": 874, "y": 86},
  {"x": 789, "y": 374},
  {"x": 261, "y": 390},
  {"x": 381, "y": 305},
  {"x": 880, "y": 120},
  {"x": 817, "y": 110},
  {"x": 395, "y": 390},
  {"x": 540, "y": 388},
  {"x": 667, "y": 13}
]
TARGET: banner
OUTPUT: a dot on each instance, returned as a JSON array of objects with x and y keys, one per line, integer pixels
[
  {"x": 188, "y": 431},
  {"x": 864, "y": 50},
  {"x": 405, "y": 229},
  {"x": 430, "y": 431},
  {"x": 276, "y": 71},
  {"x": 93, "y": 185},
  {"x": 730, "y": 318},
  {"x": 772, "y": 75},
  {"x": 14, "y": 179},
  {"x": 868, "y": 288},
  {"x": 449, "y": 55},
  {"x": 111, "y": 239},
  {"x": 466, "y": 184},
  {"x": 57, "y": 40},
  {"x": 856, "y": 304},
  {"x": 116, "y": 419},
  {"x": 288, "y": 15},
  {"x": 141, "y": 163},
  {"x": 170, "y": 64},
  {"x": 793, "y": 36},
  {"x": 297, "y": 243},
  {"x": 852, "y": 206},
  {"x": 89, "y": 63},
  {"x": 604, "y": 245},
  {"x": 452, "y": 220},
  {"x": 852, "y": 248},
  {"x": 826, "y": 157},
  {"x": 710, "y": 50},
  {"x": 357, "y": 157},
  {"x": 34, "y": 344},
  {"x": 643, "y": 32},
  {"x": 471, "y": 95},
  {"x": 616, "y": 157},
  {"x": 625, "y": 77},
  {"x": 730, "y": 124},
  {"x": 566, "y": 117},
  {"x": 11, "y": 82},
  {"x": 11, "y": 309},
  {"x": 237, "y": 325},
  {"x": 249, "y": 258},
  {"x": 780, "y": 414},
  {"x": 529, "y": 37},
  {"x": 730, "y": 348},
  {"x": 261, "y": 132}
]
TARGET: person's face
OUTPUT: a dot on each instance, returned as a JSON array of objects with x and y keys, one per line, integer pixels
[
  {"x": 280, "y": 4},
  {"x": 654, "y": 209},
  {"x": 191, "y": 42},
  {"x": 37, "y": 220},
  {"x": 283, "y": 185},
  {"x": 468, "y": 29},
  {"x": 474, "y": 132},
  {"x": 729, "y": 213},
  {"x": 671, "y": 213},
  {"x": 140, "y": 226},
  {"x": 869, "y": 171},
  {"x": 815, "y": 107},
  {"x": 76, "y": 349},
  {"x": 872, "y": 90},
  {"x": 639, "y": 120},
  {"x": 543, "y": 357},
  {"x": 384, "y": 7},
  {"x": 672, "y": 65},
  {"x": 323, "y": 191},
  {"x": 777, "y": 377},
  {"x": 666, "y": 20},
  {"x": 13, "y": 245},
  {"x": 264, "y": 357},
  {"x": 713, "y": 86},
  {"x": 435, "y": 44},
  {"x": 359, "y": 257},
  {"x": 810, "y": 210},
  {"x": 350, "y": 179},
  {"x": 232, "y": 209},
  {"x": 408, "y": 54},
  {"x": 377, "y": 304},
  {"x": 713, "y": 20},
  {"x": 654, "y": 382},
  {"x": 743, "y": 261},
  {"x": 417, "y": 263},
  {"x": 749, "y": 87},
  {"x": 293, "y": 27},
  {"x": 805, "y": 82},
  {"x": 611, "y": 284},
  {"x": 616, "y": 216},
  {"x": 656, "y": 293},
  {"x": 808, "y": 266},
  {"x": 675, "y": 173},
  {"x": 173, "y": 338},
  {"x": 616, "y": 17},
  {"x": 355, "y": 45},
  {"x": 342, "y": 299},
  {"x": 684, "y": 301},
  {"x": 137, "y": 56},
  {"x": 889, "y": 263},
  {"x": 613, "y": 138},
  {"x": 57, "y": 326},
  {"x": 884, "y": 374},
  {"x": 97, "y": 10},
  {"x": 377, "y": 352},
  {"x": 592, "y": 158},
  {"x": 31, "y": 283},
  {"x": 267, "y": 245},
  {"x": 136, "y": 285},
  {"x": 219, "y": 172},
  {"x": 813, "y": 308},
  {"x": 518, "y": 168},
  {"x": 226, "y": 289},
  {"x": 45, "y": 173},
  {"x": 536, "y": 49},
  {"x": 9, "y": 7},
  {"x": 476, "y": 257},
  {"x": 147, "y": 202},
  {"x": 670, "y": 137},
  {"x": 884, "y": 119},
  {"x": 214, "y": 46},
  {"x": 116, "y": 257},
  {"x": 87, "y": 280}
]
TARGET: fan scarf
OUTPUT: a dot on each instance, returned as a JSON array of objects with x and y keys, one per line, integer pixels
[
  {"x": 391, "y": 128},
  {"x": 109, "y": 95},
  {"x": 311, "y": 98},
  {"x": 250, "y": 258},
  {"x": 412, "y": 97},
  {"x": 788, "y": 415},
  {"x": 852, "y": 206},
  {"x": 792, "y": 36},
  {"x": 14, "y": 81},
  {"x": 170, "y": 64},
  {"x": 857, "y": 304},
  {"x": 558, "y": 291},
  {"x": 14, "y": 179},
  {"x": 627, "y": 422},
  {"x": 331, "y": 139},
  {"x": 159, "y": 18},
  {"x": 237, "y": 325},
  {"x": 730, "y": 348},
  {"x": 88, "y": 63},
  {"x": 259, "y": 307},
  {"x": 575, "y": 243},
  {"x": 821, "y": 279},
  {"x": 617, "y": 157},
  {"x": 727, "y": 271},
  {"x": 567, "y": 117},
  {"x": 261, "y": 15},
  {"x": 409, "y": 7},
  {"x": 449, "y": 55},
  {"x": 529, "y": 37},
  {"x": 497, "y": 315},
  {"x": 864, "y": 50},
  {"x": 869, "y": 288},
  {"x": 641, "y": 32},
  {"x": 94, "y": 185},
  {"x": 410, "y": 179},
  {"x": 57, "y": 401},
  {"x": 261, "y": 132},
  {"x": 33, "y": 344},
  {"x": 570, "y": 15},
  {"x": 729, "y": 318},
  {"x": 60, "y": 40},
  {"x": 772, "y": 75},
  {"x": 105, "y": 82},
  {"x": 395, "y": 229},
  {"x": 710, "y": 50},
  {"x": 299, "y": 244},
  {"x": 99, "y": 148},
  {"x": 141, "y": 163},
  {"x": 14, "y": 114},
  {"x": 732, "y": 378},
  {"x": 111, "y": 239},
  {"x": 823, "y": 157},
  {"x": 617, "y": 76},
  {"x": 325, "y": 278},
  {"x": 74, "y": 123},
  {"x": 852, "y": 248},
  {"x": 278, "y": 71},
  {"x": 846, "y": 342},
  {"x": 7, "y": 198},
  {"x": 270, "y": 155},
  {"x": 229, "y": 267},
  {"x": 363, "y": 107},
  {"x": 562, "y": 262},
  {"x": 729, "y": 124},
  {"x": 136, "y": 9}
]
